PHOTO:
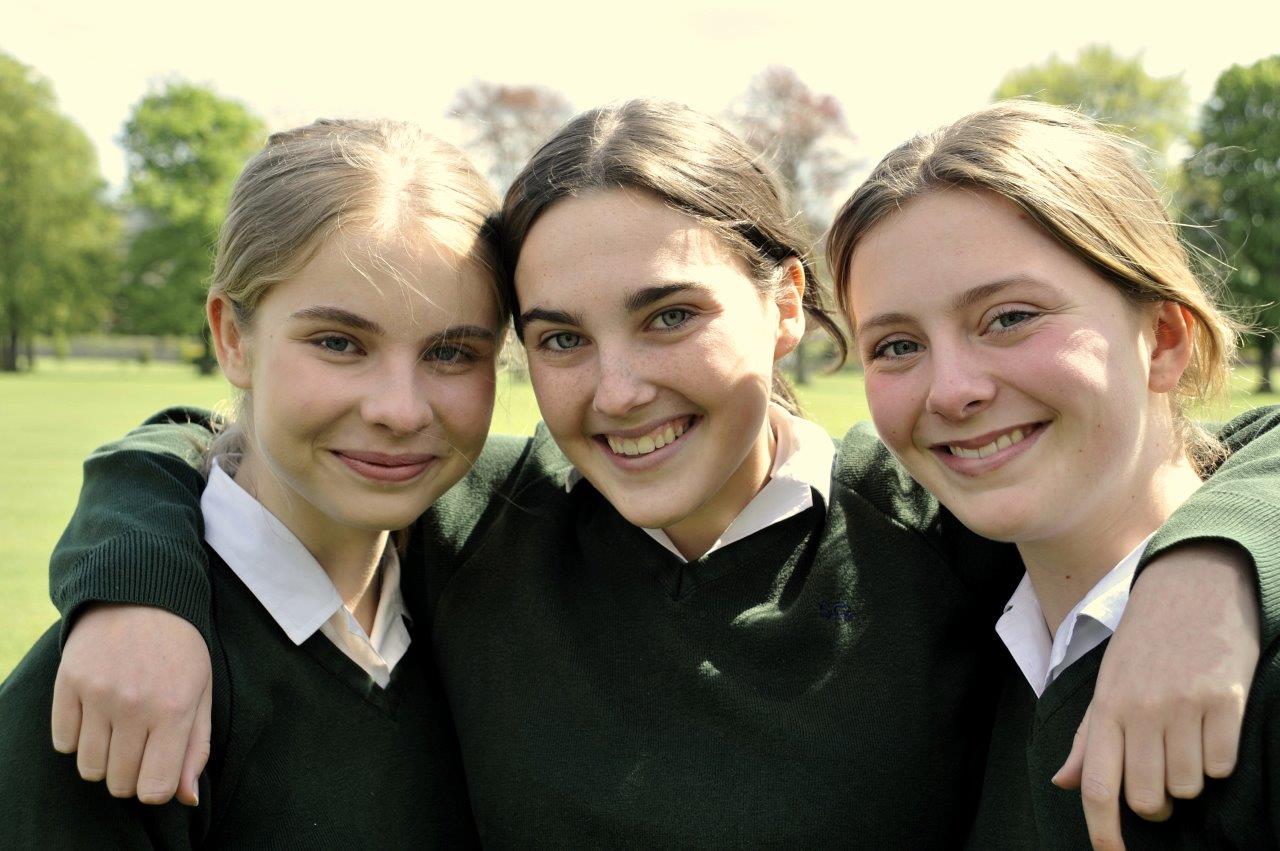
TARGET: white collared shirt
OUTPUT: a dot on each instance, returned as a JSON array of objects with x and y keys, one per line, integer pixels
[
  {"x": 801, "y": 464},
  {"x": 1043, "y": 657},
  {"x": 293, "y": 587}
]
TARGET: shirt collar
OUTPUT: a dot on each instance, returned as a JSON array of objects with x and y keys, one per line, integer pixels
[
  {"x": 1043, "y": 657},
  {"x": 277, "y": 569},
  {"x": 802, "y": 461}
]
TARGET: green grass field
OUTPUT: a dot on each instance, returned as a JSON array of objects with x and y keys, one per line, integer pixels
[{"x": 51, "y": 419}]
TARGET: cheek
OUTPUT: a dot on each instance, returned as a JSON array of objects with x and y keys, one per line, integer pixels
[
  {"x": 561, "y": 392},
  {"x": 464, "y": 406},
  {"x": 896, "y": 402}
]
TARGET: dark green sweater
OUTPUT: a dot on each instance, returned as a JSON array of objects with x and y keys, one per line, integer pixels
[
  {"x": 827, "y": 680},
  {"x": 1022, "y": 809},
  {"x": 307, "y": 752}
]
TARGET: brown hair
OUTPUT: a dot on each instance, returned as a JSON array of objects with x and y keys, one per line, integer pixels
[
  {"x": 1081, "y": 183},
  {"x": 694, "y": 165}
]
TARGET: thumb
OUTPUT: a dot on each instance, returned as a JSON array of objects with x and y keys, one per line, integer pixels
[{"x": 197, "y": 749}]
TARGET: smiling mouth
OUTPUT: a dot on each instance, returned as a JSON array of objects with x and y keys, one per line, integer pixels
[
  {"x": 1004, "y": 441},
  {"x": 651, "y": 441}
]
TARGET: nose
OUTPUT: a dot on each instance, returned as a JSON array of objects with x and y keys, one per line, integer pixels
[
  {"x": 620, "y": 386},
  {"x": 961, "y": 387},
  {"x": 398, "y": 398}
]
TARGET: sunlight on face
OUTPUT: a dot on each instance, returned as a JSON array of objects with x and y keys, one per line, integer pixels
[{"x": 651, "y": 351}]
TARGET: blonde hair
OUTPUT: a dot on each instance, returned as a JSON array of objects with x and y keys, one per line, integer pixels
[
  {"x": 692, "y": 164},
  {"x": 374, "y": 178},
  {"x": 1081, "y": 183}
]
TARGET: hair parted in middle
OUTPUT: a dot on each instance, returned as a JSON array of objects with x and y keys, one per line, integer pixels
[{"x": 691, "y": 163}]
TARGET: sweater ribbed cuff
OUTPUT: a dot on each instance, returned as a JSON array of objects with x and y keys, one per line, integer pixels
[
  {"x": 142, "y": 569},
  {"x": 1252, "y": 524}
]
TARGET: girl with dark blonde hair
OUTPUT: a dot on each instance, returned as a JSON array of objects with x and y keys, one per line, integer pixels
[
  {"x": 1033, "y": 334},
  {"x": 678, "y": 615}
]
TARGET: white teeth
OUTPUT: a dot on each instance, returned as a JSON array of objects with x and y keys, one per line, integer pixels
[
  {"x": 1002, "y": 442},
  {"x": 650, "y": 442}
]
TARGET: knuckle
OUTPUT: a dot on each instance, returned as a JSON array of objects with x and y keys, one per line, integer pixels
[
  {"x": 156, "y": 790},
  {"x": 120, "y": 790},
  {"x": 1186, "y": 789},
  {"x": 1145, "y": 801},
  {"x": 1094, "y": 790}
]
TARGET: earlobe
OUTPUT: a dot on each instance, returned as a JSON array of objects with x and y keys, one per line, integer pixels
[
  {"x": 790, "y": 301},
  {"x": 228, "y": 341},
  {"x": 1175, "y": 326}
]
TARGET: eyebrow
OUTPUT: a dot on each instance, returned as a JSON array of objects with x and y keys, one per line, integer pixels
[
  {"x": 640, "y": 299},
  {"x": 964, "y": 300},
  {"x": 325, "y": 313},
  {"x": 554, "y": 317}
]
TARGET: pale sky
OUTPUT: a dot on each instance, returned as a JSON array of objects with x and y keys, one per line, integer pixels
[{"x": 897, "y": 67}]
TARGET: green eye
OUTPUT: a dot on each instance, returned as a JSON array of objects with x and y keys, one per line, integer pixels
[
  {"x": 563, "y": 342},
  {"x": 673, "y": 318}
]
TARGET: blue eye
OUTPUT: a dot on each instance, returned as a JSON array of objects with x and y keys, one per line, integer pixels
[
  {"x": 895, "y": 349},
  {"x": 562, "y": 342},
  {"x": 670, "y": 319},
  {"x": 1010, "y": 318},
  {"x": 449, "y": 354},
  {"x": 337, "y": 345}
]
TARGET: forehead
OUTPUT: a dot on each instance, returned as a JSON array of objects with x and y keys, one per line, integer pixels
[
  {"x": 393, "y": 279},
  {"x": 949, "y": 240},
  {"x": 619, "y": 238}
]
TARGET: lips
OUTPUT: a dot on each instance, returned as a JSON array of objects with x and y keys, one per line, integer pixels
[
  {"x": 386, "y": 467},
  {"x": 981, "y": 454},
  {"x": 649, "y": 441}
]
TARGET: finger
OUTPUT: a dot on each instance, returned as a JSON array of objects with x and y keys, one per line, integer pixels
[
  {"x": 1100, "y": 783},
  {"x": 123, "y": 759},
  {"x": 197, "y": 750},
  {"x": 1068, "y": 776},
  {"x": 93, "y": 742},
  {"x": 1222, "y": 738},
  {"x": 1144, "y": 773},
  {"x": 161, "y": 762},
  {"x": 65, "y": 721},
  {"x": 1184, "y": 756}
]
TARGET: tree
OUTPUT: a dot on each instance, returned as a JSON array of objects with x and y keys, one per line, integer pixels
[
  {"x": 185, "y": 146},
  {"x": 1113, "y": 89},
  {"x": 1234, "y": 186},
  {"x": 57, "y": 233},
  {"x": 508, "y": 123},
  {"x": 804, "y": 136}
]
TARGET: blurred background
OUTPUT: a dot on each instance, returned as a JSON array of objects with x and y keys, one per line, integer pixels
[{"x": 123, "y": 125}]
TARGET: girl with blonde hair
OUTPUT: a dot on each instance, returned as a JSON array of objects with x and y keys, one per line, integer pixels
[{"x": 353, "y": 305}]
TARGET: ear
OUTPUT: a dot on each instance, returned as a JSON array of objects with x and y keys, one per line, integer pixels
[
  {"x": 1175, "y": 327},
  {"x": 229, "y": 341},
  {"x": 790, "y": 301}
]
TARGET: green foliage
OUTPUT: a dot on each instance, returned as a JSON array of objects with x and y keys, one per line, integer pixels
[
  {"x": 57, "y": 233},
  {"x": 1233, "y": 184},
  {"x": 185, "y": 146},
  {"x": 1111, "y": 88}
]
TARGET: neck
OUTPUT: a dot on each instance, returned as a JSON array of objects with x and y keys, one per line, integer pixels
[
  {"x": 1065, "y": 568},
  {"x": 350, "y": 556},
  {"x": 696, "y": 534}
]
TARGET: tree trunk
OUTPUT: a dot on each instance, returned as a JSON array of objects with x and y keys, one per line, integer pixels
[
  {"x": 31, "y": 354},
  {"x": 800, "y": 366},
  {"x": 1266, "y": 352},
  {"x": 208, "y": 361},
  {"x": 9, "y": 351}
]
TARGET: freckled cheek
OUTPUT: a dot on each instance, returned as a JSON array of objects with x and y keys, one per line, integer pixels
[
  {"x": 563, "y": 394},
  {"x": 896, "y": 405}
]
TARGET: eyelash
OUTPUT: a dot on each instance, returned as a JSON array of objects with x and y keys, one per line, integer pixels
[
  {"x": 464, "y": 354},
  {"x": 882, "y": 349},
  {"x": 545, "y": 343}
]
